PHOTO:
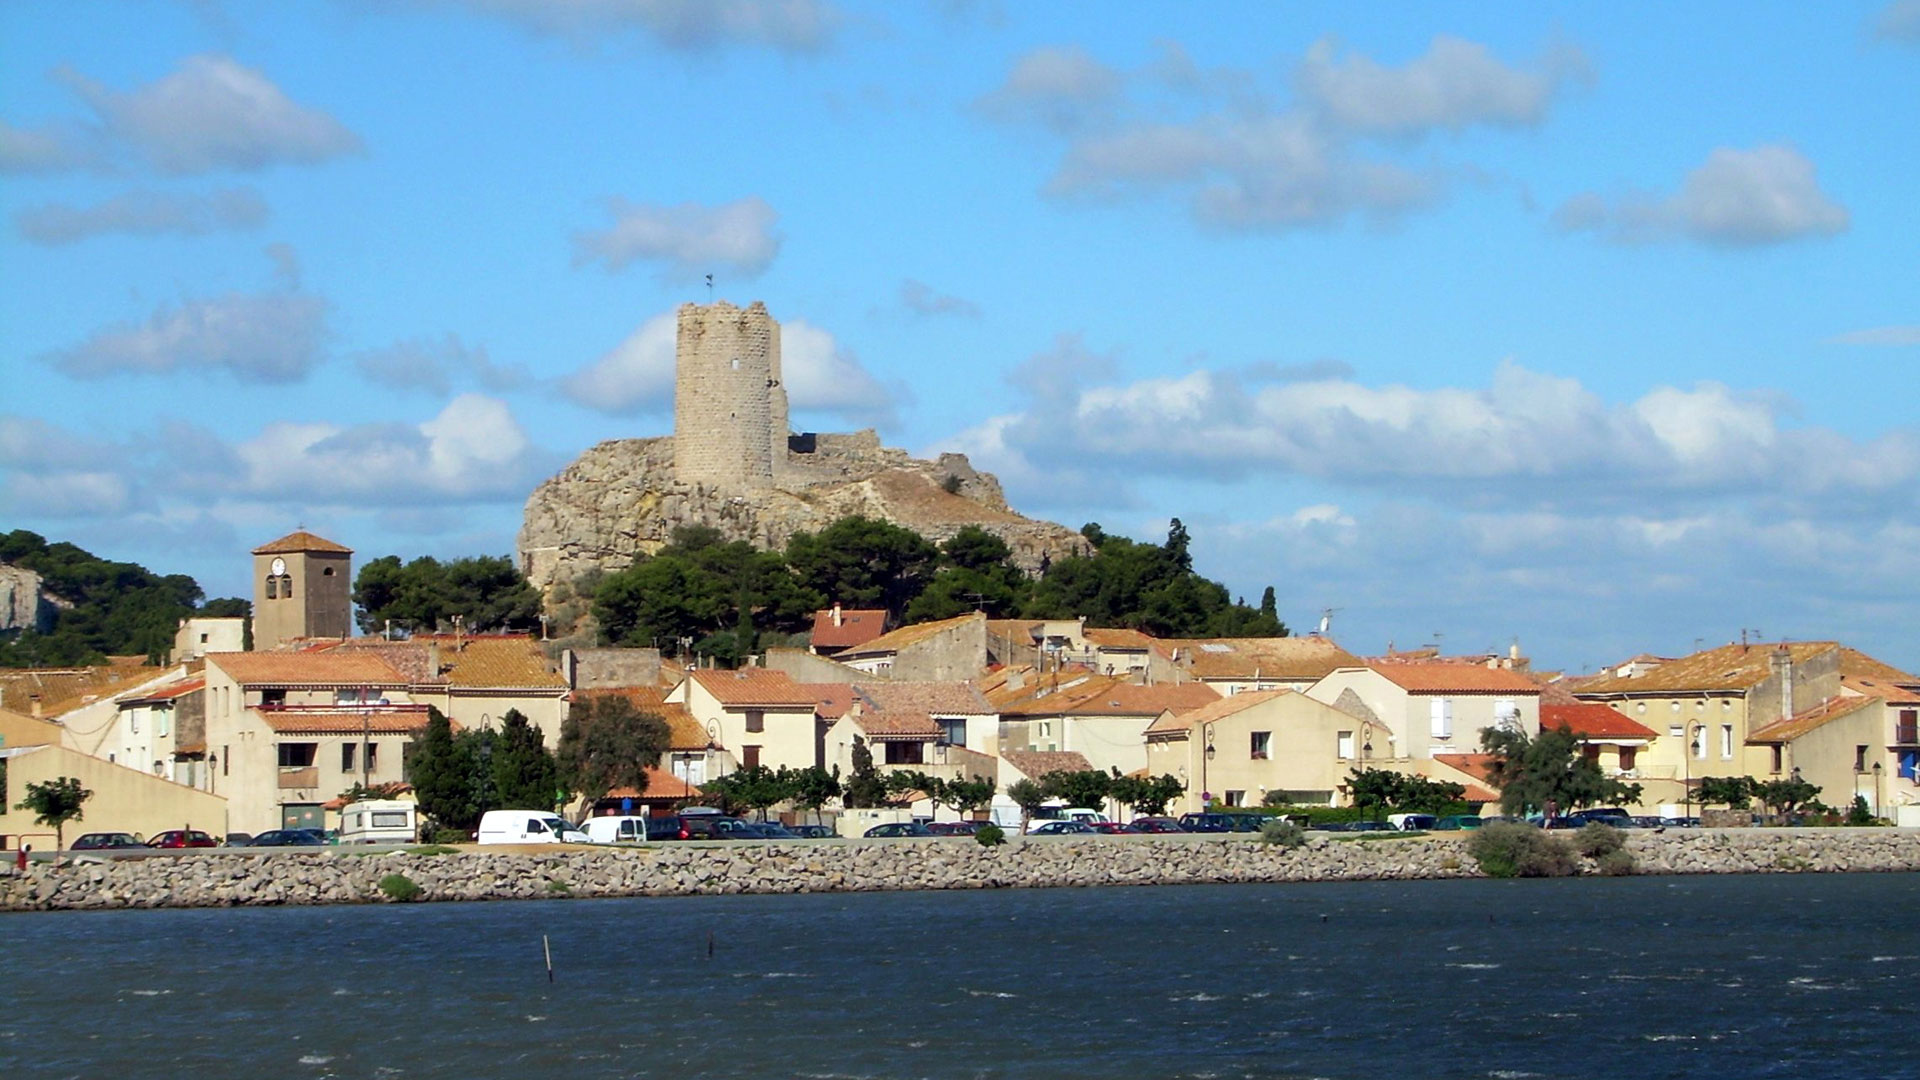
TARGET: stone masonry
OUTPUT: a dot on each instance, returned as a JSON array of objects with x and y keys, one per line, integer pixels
[{"x": 728, "y": 431}]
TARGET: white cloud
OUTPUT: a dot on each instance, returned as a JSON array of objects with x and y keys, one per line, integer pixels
[
  {"x": 1737, "y": 198},
  {"x": 922, "y": 299},
  {"x": 474, "y": 450},
  {"x": 213, "y": 113},
  {"x": 145, "y": 213},
  {"x": 1880, "y": 335},
  {"x": 52, "y": 148},
  {"x": 689, "y": 239},
  {"x": 636, "y": 376},
  {"x": 435, "y": 366},
  {"x": 787, "y": 25},
  {"x": 1456, "y": 84},
  {"x": 262, "y": 338},
  {"x": 1061, "y": 88},
  {"x": 1899, "y": 21}
]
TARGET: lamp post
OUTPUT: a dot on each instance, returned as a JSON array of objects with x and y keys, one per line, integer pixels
[
  {"x": 1876, "y": 788},
  {"x": 1206, "y": 792},
  {"x": 1686, "y": 764}
]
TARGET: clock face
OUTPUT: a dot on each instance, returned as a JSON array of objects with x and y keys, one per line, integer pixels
[{"x": 279, "y": 567}]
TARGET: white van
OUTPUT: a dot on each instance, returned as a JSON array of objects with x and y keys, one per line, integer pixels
[
  {"x": 1059, "y": 811},
  {"x": 379, "y": 821},
  {"x": 618, "y": 829},
  {"x": 527, "y": 827}
]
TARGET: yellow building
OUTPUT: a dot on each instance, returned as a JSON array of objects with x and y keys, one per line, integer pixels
[{"x": 1240, "y": 749}]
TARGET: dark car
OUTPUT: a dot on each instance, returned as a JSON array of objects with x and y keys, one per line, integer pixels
[
  {"x": 773, "y": 830},
  {"x": 953, "y": 828},
  {"x": 1369, "y": 826},
  {"x": 239, "y": 839},
  {"x": 1157, "y": 825},
  {"x": 1456, "y": 823},
  {"x": 717, "y": 827},
  {"x": 898, "y": 828},
  {"x": 289, "y": 838},
  {"x": 182, "y": 838},
  {"x": 102, "y": 841},
  {"x": 670, "y": 827},
  {"x": 1114, "y": 827},
  {"x": 812, "y": 832},
  {"x": 1057, "y": 828},
  {"x": 1213, "y": 821}
]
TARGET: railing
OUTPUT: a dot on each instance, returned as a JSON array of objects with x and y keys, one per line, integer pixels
[
  {"x": 349, "y": 709},
  {"x": 300, "y": 778}
]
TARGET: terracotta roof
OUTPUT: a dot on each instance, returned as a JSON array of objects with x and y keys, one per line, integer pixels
[
  {"x": 1035, "y": 764},
  {"x": 1021, "y": 630},
  {"x": 338, "y": 722},
  {"x": 1592, "y": 721},
  {"x": 934, "y": 698},
  {"x": 754, "y": 686},
  {"x": 1293, "y": 658},
  {"x": 898, "y": 726},
  {"x": 1217, "y": 709},
  {"x": 661, "y": 786},
  {"x": 330, "y": 667},
  {"x": 1107, "y": 695},
  {"x": 1451, "y": 677},
  {"x": 1728, "y": 668},
  {"x": 1475, "y": 765},
  {"x": 1869, "y": 676},
  {"x": 1118, "y": 638},
  {"x": 168, "y": 692},
  {"x": 857, "y": 625},
  {"x": 899, "y": 639},
  {"x": 831, "y": 700},
  {"x": 1818, "y": 716},
  {"x": 301, "y": 541},
  {"x": 685, "y": 733},
  {"x": 62, "y": 690},
  {"x": 1891, "y": 693},
  {"x": 467, "y": 661}
]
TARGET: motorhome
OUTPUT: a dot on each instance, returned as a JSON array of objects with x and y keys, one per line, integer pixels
[{"x": 379, "y": 821}]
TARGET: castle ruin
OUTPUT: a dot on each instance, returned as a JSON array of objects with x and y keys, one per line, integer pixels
[{"x": 729, "y": 405}]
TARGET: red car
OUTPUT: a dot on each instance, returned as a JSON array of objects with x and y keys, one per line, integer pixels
[
  {"x": 1113, "y": 827},
  {"x": 182, "y": 838},
  {"x": 1156, "y": 825}
]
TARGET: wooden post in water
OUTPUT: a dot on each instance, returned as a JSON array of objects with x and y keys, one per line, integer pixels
[{"x": 547, "y": 947}]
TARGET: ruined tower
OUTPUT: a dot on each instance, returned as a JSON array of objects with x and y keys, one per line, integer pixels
[{"x": 729, "y": 406}]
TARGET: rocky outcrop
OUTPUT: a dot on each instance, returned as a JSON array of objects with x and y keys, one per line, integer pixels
[
  {"x": 621, "y": 499},
  {"x": 23, "y": 603},
  {"x": 220, "y": 879}
]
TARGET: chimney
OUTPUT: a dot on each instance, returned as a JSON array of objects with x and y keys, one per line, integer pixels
[
  {"x": 36, "y": 709},
  {"x": 1782, "y": 664},
  {"x": 433, "y": 659},
  {"x": 836, "y": 613}
]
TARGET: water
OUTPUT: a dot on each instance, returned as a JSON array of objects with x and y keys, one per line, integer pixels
[{"x": 1642, "y": 978}]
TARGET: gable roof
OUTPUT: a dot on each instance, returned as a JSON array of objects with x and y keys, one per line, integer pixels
[
  {"x": 1034, "y": 764},
  {"x": 1293, "y": 658},
  {"x": 167, "y": 692},
  {"x": 300, "y": 541},
  {"x": 1107, "y": 695},
  {"x": 467, "y": 661},
  {"x": 1119, "y": 637},
  {"x": 1452, "y": 677},
  {"x": 1803, "y": 722},
  {"x": 894, "y": 641},
  {"x": 683, "y": 731},
  {"x": 856, "y": 625},
  {"x": 1217, "y": 709},
  {"x": 298, "y": 721},
  {"x": 662, "y": 786},
  {"x": 1733, "y": 667},
  {"x": 1864, "y": 675},
  {"x": 947, "y": 698},
  {"x": 1592, "y": 721},
  {"x": 325, "y": 668},
  {"x": 62, "y": 690},
  {"x": 749, "y": 687}
]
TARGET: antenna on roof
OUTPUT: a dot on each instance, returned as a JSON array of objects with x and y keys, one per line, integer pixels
[{"x": 1326, "y": 620}]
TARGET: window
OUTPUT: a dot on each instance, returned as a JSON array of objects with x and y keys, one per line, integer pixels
[
  {"x": 273, "y": 586},
  {"x": 756, "y": 720},
  {"x": 1726, "y": 742},
  {"x": 203, "y": 639},
  {"x": 1859, "y": 759},
  {"x": 1699, "y": 742},
  {"x": 1674, "y": 730},
  {"x": 328, "y": 572},
  {"x": 953, "y": 730},
  {"x": 1442, "y": 712},
  {"x": 286, "y": 587},
  {"x": 1343, "y": 746},
  {"x": 905, "y": 753},
  {"x": 1506, "y": 714},
  {"x": 1907, "y": 727},
  {"x": 346, "y": 757},
  {"x": 1628, "y": 755},
  {"x": 296, "y": 755},
  {"x": 226, "y": 759},
  {"x": 1591, "y": 751},
  {"x": 133, "y": 721},
  {"x": 1779, "y": 753},
  {"x": 1262, "y": 744},
  {"x": 1236, "y": 798},
  {"x": 273, "y": 697},
  {"x": 162, "y": 722},
  {"x": 1046, "y": 729},
  {"x": 373, "y": 756},
  {"x": 389, "y": 819},
  {"x": 749, "y": 756}
]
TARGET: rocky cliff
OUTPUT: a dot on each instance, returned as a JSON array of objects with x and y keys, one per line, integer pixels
[
  {"x": 622, "y": 499},
  {"x": 23, "y": 604}
]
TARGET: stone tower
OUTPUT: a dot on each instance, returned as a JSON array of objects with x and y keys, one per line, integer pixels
[
  {"x": 302, "y": 587},
  {"x": 729, "y": 406}
]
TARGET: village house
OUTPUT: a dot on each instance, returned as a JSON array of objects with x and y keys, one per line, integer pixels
[
  {"x": 1236, "y": 751},
  {"x": 1422, "y": 710},
  {"x": 1864, "y": 741},
  {"x": 1233, "y": 665},
  {"x": 1103, "y": 717},
  {"x": 943, "y": 651},
  {"x": 943, "y": 729},
  {"x": 125, "y": 799},
  {"x": 754, "y": 716},
  {"x": 838, "y": 629},
  {"x": 475, "y": 679}
]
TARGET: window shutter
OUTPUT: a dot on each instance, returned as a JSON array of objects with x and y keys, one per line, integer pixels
[{"x": 1442, "y": 718}]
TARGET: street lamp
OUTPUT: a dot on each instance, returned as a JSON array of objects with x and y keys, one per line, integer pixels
[
  {"x": 1206, "y": 792},
  {"x": 1686, "y": 762},
  {"x": 1876, "y": 789}
]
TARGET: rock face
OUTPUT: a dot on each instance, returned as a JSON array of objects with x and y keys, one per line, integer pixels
[
  {"x": 23, "y": 606},
  {"x": 624, "y": 498}
]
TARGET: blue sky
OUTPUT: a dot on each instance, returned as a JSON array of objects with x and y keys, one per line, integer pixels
[{"x": 1588, "y": 325}]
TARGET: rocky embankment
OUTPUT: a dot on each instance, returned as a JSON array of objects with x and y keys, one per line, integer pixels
[{"x": 226, "y": 878}]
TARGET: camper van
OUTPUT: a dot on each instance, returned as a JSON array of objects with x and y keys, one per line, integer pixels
[
  {"x": 379, "y": 821},
  {"x": 527, "y": 827}
]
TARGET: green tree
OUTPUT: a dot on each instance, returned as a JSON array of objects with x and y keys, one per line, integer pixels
[
  {"x": 754, "y": 788},
  {"x": 968, "y": 796},
  {"x": 865, "y": 786},
  {"x": 717, "y": 596},
  {"x": 813, "y": 787},
  {"x": 1731, "y": 792},
  {"x": 862, "y": 562},
  {"x": 56, "y": 802},
  {"x": 605, "y": 743},
  {"x": 1530, "y": 770},
  {"x": 440, "y": 774},
  {"x": 1373, "y": 790},
  {"x": 486, "y": 592},
  {"x": 1786, "y": 796},
  {"x": 525, "y": 774},
  {"x": 108, "y": 608},
  {"x": 1028, "y": 796},
  {"x": 1158, "y": 794},
  {"x": 1085, "y": 787},
  {"x": 1144, "y": 586}
]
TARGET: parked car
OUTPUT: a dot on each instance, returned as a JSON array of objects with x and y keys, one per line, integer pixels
[
  {"x": 812, "y": 832},
  {"x": 1156, "y": 825},
  {"x": 716, "y": 827},
  {"x": 1618, "y": 819},
  {"x": 1216, "y": 821},
  {"x": 1059, "y": 828},
  {"x": 1412, "y": 822},
  {"x": 239, "y": 839},
  {"x": 904, "y": 828},
  {"x": 1113, "y": 827},
  {"x": 182, "y": 838},
  {"x": 290, "y": 838},
  {"x": 773, "y": 830},
  {"x": 1455, "y": 823},
  {"x": 103, "y": 841},
  {"x": 1369, "y": 826}
]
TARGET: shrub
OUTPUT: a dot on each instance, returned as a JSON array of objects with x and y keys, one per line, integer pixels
[
  {"x": 1506, "y": 850},
  {"x": 399, "y": 887},
  {"x": 990, "y": 835},
  {"x": 1283, "y": 832},
  {"x": 1860, "y": 814},
  {"x": 559, "y": 888},
  {"x": 1596, "y": 840},
  {"x": 450, "y": 836},
  {"x": 1617, "y": 863}
]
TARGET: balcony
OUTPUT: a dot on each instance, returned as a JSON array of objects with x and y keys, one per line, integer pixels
[{"x": 308, "y": 777}]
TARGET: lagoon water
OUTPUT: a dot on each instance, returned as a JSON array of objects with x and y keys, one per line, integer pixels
[{"x": 1720, "y": 978}]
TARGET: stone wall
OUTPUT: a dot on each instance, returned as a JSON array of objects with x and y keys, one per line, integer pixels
[
  {"x": 726, "y": 382},
  {"x": 225, "y": 878}
]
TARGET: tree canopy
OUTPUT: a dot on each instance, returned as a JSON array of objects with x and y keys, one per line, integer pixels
[
  {"x": 607, "y": 742},
  {"x": 487, "y": 592},
  {"x": 1532, "y": 769},
  {"x": 56, "y": 802},
  {"x": 114, "y": 608}
]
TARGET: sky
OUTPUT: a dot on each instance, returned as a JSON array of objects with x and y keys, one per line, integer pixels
[{"x": 1591, "y": 327}]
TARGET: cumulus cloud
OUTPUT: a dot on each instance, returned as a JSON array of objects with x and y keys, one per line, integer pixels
[
  {"x": 688, "y": 240},
  {"x": 1456, "y": 84},
  {"x": 51, "y": 148},
  {"x": 212, "y": 113},
  {"x": 820, "y": 374},
  {"x": 1172, "y": 129},
  {"x": 257, "y": 338},
  {"x": 145, "y": 213},
  {"x": 435, "y": 366},
  {"x": 1737, "y": 198},
  {"x": 691, "y": 25},
  {"x": 1880, "y": 335},
  {"x": 922, "y": 299},
  {"x": 1899, "y": 21}
]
